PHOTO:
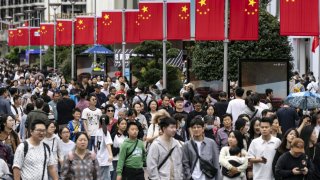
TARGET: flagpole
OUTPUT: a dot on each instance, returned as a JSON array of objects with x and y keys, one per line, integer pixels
[
  {"x": 40, "y": 9},
  {"x": 95, "y": 29},
  {"x": 123, "y": 38},
  {"x": 225, "y": 47},
  {"x": 164, "y": 50},
  {"x": 72, "y": 38}
]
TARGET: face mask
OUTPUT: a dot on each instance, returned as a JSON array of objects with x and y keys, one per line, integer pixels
[
  {"x": 209, "y": 127},
  {"x": 182, "y": 123}
]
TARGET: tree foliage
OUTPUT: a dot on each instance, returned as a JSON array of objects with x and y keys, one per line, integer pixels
[
  {"x": 13, "y": 55},
  {"x": 147, "y": 66},
  {"x": 208, "y": 56}
]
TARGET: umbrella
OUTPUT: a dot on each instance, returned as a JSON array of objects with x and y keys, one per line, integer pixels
[
  {"x": 97, "y": 49},
  {"x": 303, "y": 100}
]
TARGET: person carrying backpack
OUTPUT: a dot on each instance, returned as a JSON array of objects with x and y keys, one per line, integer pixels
[
  {"x": 132, "y": 156},
  {"x": 33, "y": 158},
  {"x": 143, "y": 98}
]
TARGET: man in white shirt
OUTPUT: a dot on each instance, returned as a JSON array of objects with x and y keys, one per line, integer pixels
[
  {"x": 262, "y": 150},
  {"x": 17, "y": 110},
  {"x": 237, "y": 105},
  {"x": 33, "y": 159},
  {"x": 313, "y": 86}
]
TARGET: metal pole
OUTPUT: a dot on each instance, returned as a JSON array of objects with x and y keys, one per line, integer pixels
[
  {"x": 72, "y": 45},
  {"x": 164, "y": 41},
  {"x": 95, "y": 28},
  {"x": 225, "y": 47},
  {"x": 123, "y": 38},
  {"x": 54, "y": 41},
  {"x": 29, "y": 38},
  {"x": 40, "y": 43}
]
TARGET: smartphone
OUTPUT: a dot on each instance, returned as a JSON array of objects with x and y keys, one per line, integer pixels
[{"x": 301, "y": 169}]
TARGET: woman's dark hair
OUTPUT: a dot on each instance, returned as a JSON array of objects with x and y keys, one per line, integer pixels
[
  {"x": 283, "y": 146},
  {"x": 60, "y": 131},
  {"x": 3, "y": 120},
  {"x": 104, "y": 121},
  {"x": 250, "y": 104},
  {"x": 167, "y": 121},
  {"x": 238, "y": 135},
  {"x": 304, "y": 116},
  {"x": 305, "y": 136},
  {"x": 28, "y": 108},
  {"x": 46, "y": 108},
  {"x": 240, "y": 123},
  {"x": 149, "y": 109},
  {"x": 131, "y": 112},
  {"x": 78, "y": 134},
  {"x": 251, "y": 130}
]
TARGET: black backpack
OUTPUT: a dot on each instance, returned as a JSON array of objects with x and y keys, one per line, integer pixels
[{"x": 145, "y": 105}]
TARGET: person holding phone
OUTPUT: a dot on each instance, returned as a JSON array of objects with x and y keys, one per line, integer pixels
[{"x": 294, "y": 165}]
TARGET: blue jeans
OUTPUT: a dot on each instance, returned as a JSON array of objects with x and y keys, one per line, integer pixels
[
  {"x": 105, "y": 172},
  {"x": 114, "y": 172},
  {"x": 91, "y": 142}
]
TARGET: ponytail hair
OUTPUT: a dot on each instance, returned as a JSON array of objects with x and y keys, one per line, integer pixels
[{"x": 104, "y": 121}]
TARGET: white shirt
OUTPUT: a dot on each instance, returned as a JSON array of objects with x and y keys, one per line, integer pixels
[
  {"x": 101, "y": 143},
  {"x": 261, "y": 148},
  {"x": 92, "y": 118},
  {"x": 53, "y": 144},
  {"x": 153, "y": 130},
  {"x": 65, "y": 148},
  {"x": 197, "y": 173},
  {"x": 31, "y": 166},
  {"x": 4, "y": 170},
  {"x": 313, "y": 87},
  {"x": 235, "y": 108},
  {"x": 117, "y": 142},
  {"x": 159, "y": 85}
]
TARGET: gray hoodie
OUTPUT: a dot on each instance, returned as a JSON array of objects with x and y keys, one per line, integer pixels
[{"x": 157, "y": 153}]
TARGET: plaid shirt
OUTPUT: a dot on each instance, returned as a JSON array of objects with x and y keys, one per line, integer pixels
[{"x": 80, "y": 169}]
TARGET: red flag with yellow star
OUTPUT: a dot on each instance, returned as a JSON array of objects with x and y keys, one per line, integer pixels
[
  {"x": 209, "y": 20},
  {"x": 151, "y": 20},
  {"x": 178, "y": 18},
  {"x": 299, "y": 17},
  {"x": 64, "y": 32},
  {"x": 35, "y": 36},
  {"x": 84, "y": 31},
  {"x": 110, "y": 28},
  {"x": 46, "y": 34},
  {"x": 244, "y": 20},
  {"x": 22, "y": 36},
  {"x": 12, "y": 37},
  {"x": 132, "y": 26}
]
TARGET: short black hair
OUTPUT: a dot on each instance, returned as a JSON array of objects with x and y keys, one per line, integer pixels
[
  {"x": 167, "y": 121},
  {"x": 268, "y": 91},
  {"x": 234, "y": 151},
  {"x": 108, "y": 106},
  {"x": 266, "y": 120},
  {"x": 76, "y": 110},
  {"x": 131, "y": 112},
  {"x": 64, "y": 92},
  {"x": 265, "y": 112},
  {"x": 78, "y": 134},
  {"x": 39, "y": 103},
  {"x": 227, "y": 115},
  {"x": 35, "y": 122},
  {"x": 239, "y": 92},
  {"x": 223, "y": 94},
  {"x": 240, "y": 123},
  {"x": 197, "y": 121},
  {"x": 178, "y": 98},
  {"x": 131, "y": 124},
  {"x": 120, "y": 96},
  {"x": 249, "y": 92}
]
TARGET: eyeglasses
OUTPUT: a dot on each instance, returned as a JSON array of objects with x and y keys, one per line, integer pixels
[
  {"x": 40, "y": 130},
  {"x": 110, "y": 110}
]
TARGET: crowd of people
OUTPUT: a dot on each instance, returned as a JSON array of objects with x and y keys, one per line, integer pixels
[{"x": 100, "y": 128}]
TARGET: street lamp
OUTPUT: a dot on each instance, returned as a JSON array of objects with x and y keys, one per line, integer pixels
[
  {"x": 55, "y": 7},
  {"x": 40, "y": 9},
  {"x": 73, "y": 2}
]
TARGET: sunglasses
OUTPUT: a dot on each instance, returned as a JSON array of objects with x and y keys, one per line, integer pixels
[{"x": 110, "y": 110}]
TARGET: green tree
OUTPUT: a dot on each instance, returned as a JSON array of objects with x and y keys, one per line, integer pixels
[
  {"x": 208, "y": 56},
  {"x": 13, "y": 55},
  {"x": 147, "y": 67}
]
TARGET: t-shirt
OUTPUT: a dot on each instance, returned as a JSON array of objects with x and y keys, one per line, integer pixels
[
  {"x": 153, "y": 130},
  {"x": 197, "y": 173},
  {"x": 101, "y": 143},
  {"x": 31, "y": 166},
  {"x": 92, "y": 118},
  {"x": 117, "y": 142},
  {"x": 235, "y": 108},
  {"x": 65, "y": 148},
  {"x": 53, "y": 144},
  {"x": 261, "y": 148}
]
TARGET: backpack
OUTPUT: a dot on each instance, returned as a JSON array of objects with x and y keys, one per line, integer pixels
[
  {"x": 145, "y": 105},
  {"x": 45, "y": 146}
]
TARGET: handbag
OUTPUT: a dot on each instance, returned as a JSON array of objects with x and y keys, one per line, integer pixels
[{"x": 205, "y": 166}]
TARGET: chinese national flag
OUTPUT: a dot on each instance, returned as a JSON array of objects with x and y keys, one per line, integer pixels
[
  {"x": 46, "y": 34},
  {"x": 12, "y": 37},
  {"x": 84, "y": 31},
  {"x": 244, "y": 20},
  {"x": 132, "y": 26},
  {"x": 22, "y": 38},
  {"x": 209, "y": 20},
  {"x": 64, "y": 32},
  {"x": 299, "y": 17},
  {"x": 151, "y": 20},
  {"x": 110, "y": 28},
  {"x": 178, "y": 20},
  {"x": 35, "y": 36}
]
